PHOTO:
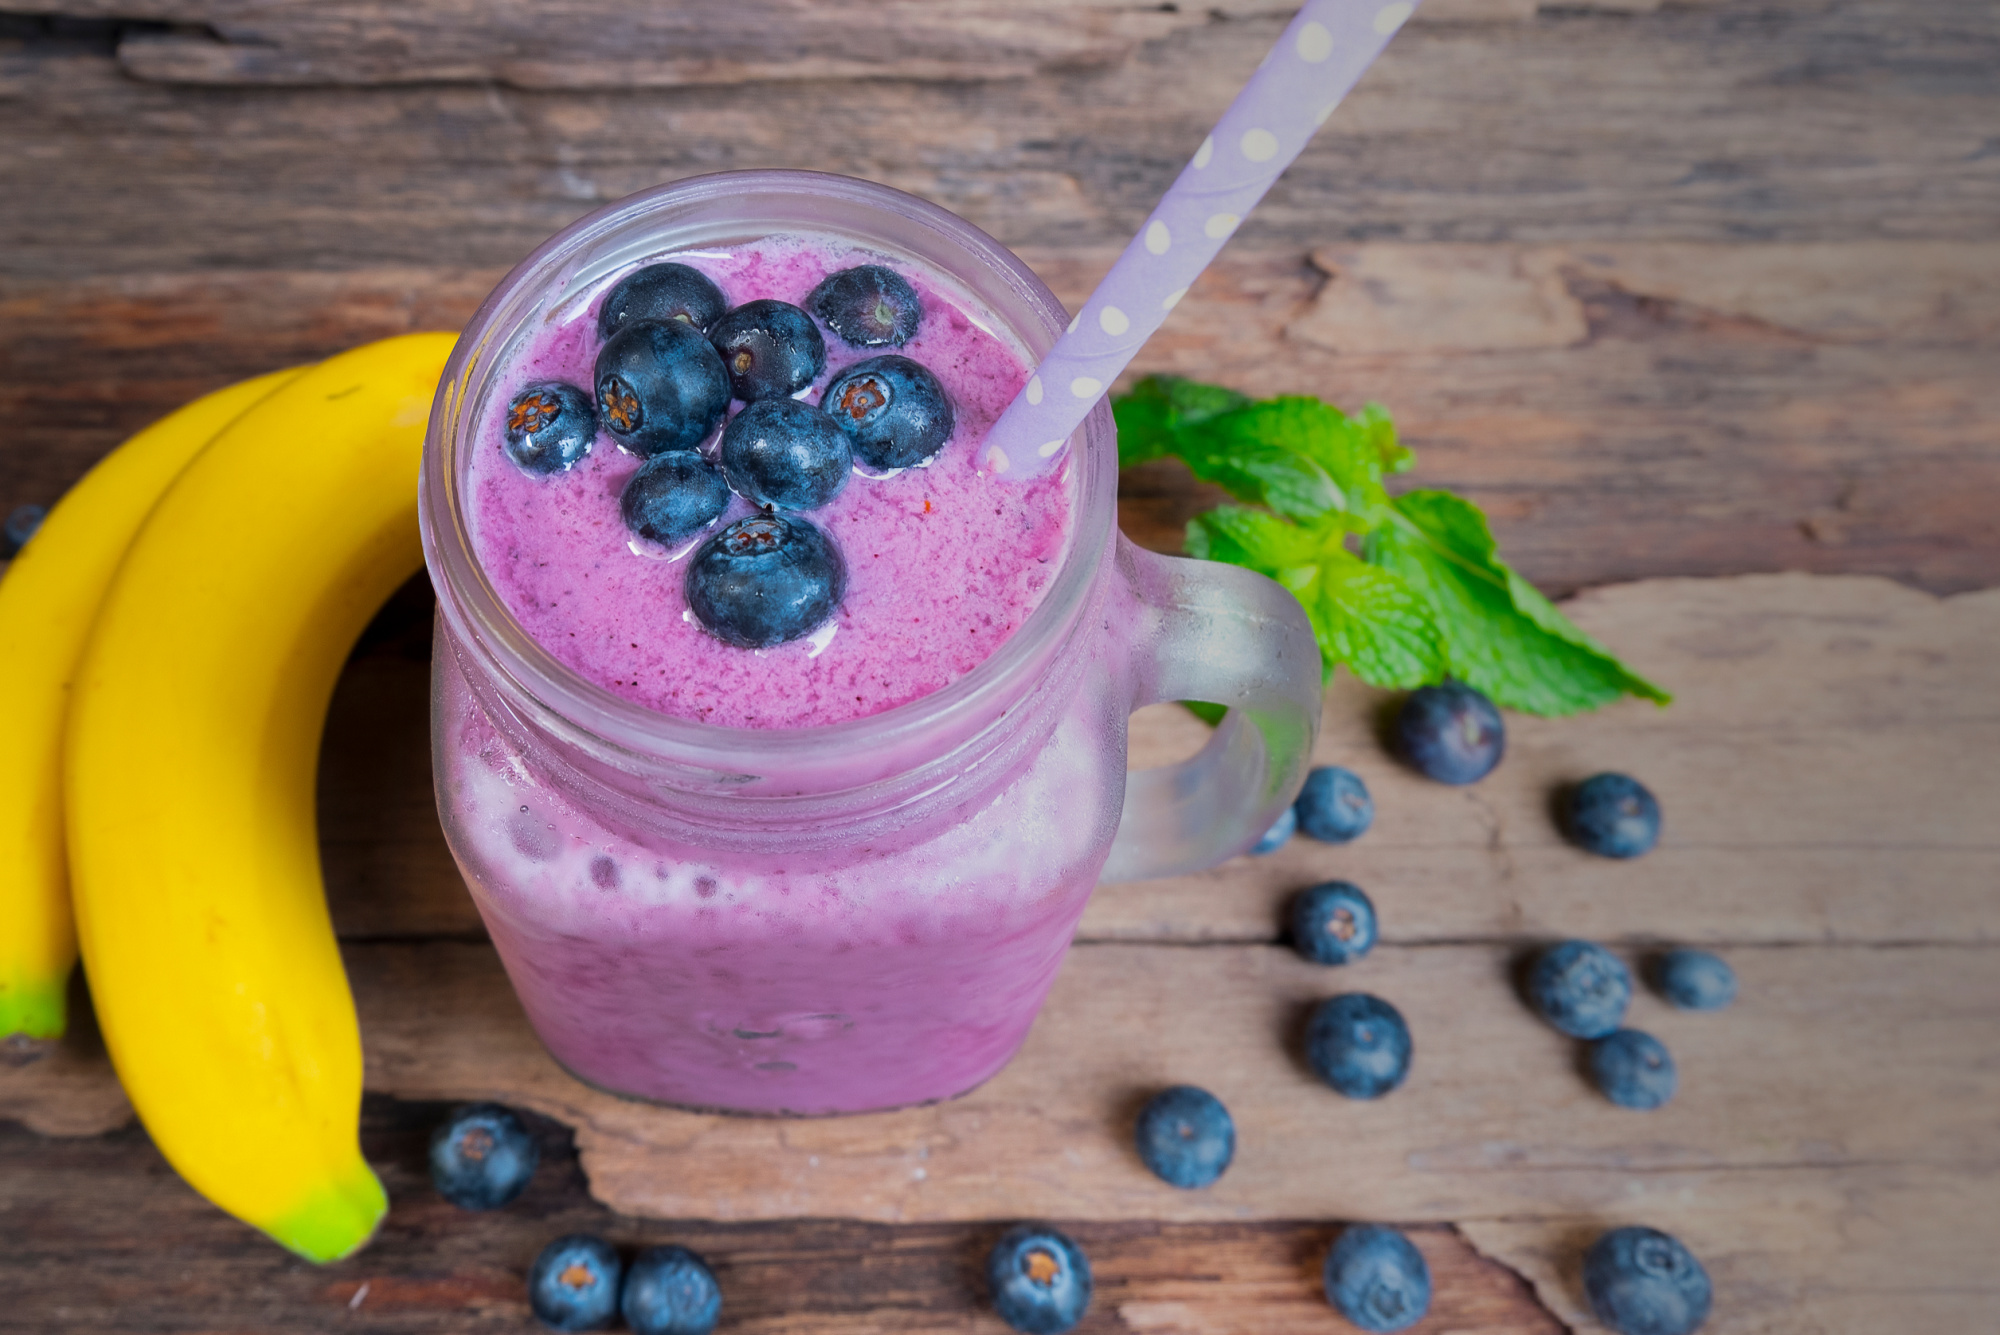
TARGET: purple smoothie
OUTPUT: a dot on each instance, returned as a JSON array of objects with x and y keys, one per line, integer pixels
[
  {"x": 870, "y": 973},
  {"x": 944, "y": 561}
]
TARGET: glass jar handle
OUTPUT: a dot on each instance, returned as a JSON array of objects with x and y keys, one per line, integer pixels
[{"x": 1219, "y": 633}]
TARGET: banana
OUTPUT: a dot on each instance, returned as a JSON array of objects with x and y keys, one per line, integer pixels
[
  {"x": 190, "y": 762},
  {"x": 48, "y": 599}
]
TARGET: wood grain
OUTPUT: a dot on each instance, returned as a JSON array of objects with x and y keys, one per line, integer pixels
[{"x": 436, "y": 1269}]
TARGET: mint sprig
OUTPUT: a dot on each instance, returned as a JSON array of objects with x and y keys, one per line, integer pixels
[{"x": 1404, "y": 590}]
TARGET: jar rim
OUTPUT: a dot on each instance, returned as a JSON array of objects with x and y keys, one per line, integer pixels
[{"x": 596, "y": 716}]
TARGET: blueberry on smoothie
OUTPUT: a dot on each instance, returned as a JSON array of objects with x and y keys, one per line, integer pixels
[
  {"x": 1186, "y": 1136},
  {"x": 770, "y": 348},
  {"x": 1359, "y": 1045},
  {"x": 1612, "y": 815},
  {"x": 482, "y": 1157},
  {"x": 1644, "y": 1282},
  {"x": 550, "y": 427},
  {"x": 661, "y": 292},
  {"x": 673, "y": 497},
  {"x": 1633, "y": 1069},
  {"x": 660, "y": 387},
  {"x": 1040, "y": 1280},
  {"x": 783, "y": 453},
  {"x": 22, "y": 522},
  {"x": 894, "y": 410},
  {"x": 1694, "y": 980},
  {"x": 573, "y": 1284},
  {"x": 868, "y": 307},
  {"x": 1333, "y": 923},
  {"x": 1278, "y": 835},
  {"x": 1581, "y": 988},
  {"x": 1334, "y": 806},
  {"x": 765, "y": 580},
  {"x": 1450, "y": 733},
  {"x": 670, "y": 1291},
  {"x": 1377, "y": 1279}
]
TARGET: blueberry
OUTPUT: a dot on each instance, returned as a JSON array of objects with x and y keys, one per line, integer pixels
[
  {"x": 1377, "y": 1279},
  {"x": 1186, "y": 1136},
  {"x": 1694, "y": 980},
  {"x": 482, "y": 1157},
  {"x": 1333, "y": 923},
  {"x": 868, "y": 307},
  {"x": 22, "y": 521},
  {"x": 573, "y": 1284},
  {"x": 1040, "y": 1280},
  {"x": 894, "y": 409},
  {"x": 1633, "y": 1069},
  {"x": 1450, "y": 733},
  {"x": 661, "y": 292},
  {"x": 785, "y": 453},
  {"x": 1359, "y": 1045},
  {"x": 1278, "y": 835},
  {"x": 765, "y": 580},
  {"x": 660, "y": 387},
  {"x": 673, "y": 497},
  {"x": 1644, "y": 1282},
  {"x": 771, "y": 349},
  {"x": 550, "y": 427},
  {"x": 1334, "y": 807},
  {"x": 1612, "y": 816},
  {"x": 1580, "y": 988},
  {"x": 670, "y": 1291}
]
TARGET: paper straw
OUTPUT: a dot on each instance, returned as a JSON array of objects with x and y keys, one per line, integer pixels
[{"x": 1318, "y": 59}]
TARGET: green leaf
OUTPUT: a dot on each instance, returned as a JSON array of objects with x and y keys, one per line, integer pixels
[
  {"x": 1371, "y": 620},
  {"x": 1160, "y": 405},
  {"x": 1501, "y": 635}
]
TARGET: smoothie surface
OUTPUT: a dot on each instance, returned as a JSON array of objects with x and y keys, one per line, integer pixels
[{"x": 944, "y": 561}]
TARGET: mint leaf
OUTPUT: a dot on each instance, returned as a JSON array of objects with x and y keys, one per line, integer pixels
[
  {"x": 1501, "y": 635},
  {"x": 1363, "y": 616},
  {"x": 1160, "y": 405}
]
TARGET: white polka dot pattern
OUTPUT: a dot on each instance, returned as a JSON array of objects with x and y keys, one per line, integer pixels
[{"x": 1319, "y": 57}]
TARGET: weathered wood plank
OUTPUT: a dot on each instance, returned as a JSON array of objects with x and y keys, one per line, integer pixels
[
  {"x": 1747, "y": 120},
  {"x": 104, "y": 1238}
]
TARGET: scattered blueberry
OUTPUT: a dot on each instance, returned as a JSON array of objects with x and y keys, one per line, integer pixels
[
  {"x": 1278, "y": 835},
  {"x": 785, "y": 453},
  {"x": 771, "y": 349},
  {"x": 573, "y": 1284},
  {"x": 1450, "y": 733},
  {"x": 550, "y": 427},
  {"x": 670, "y": 1291},
  {"x": 661, "y": 292},
  {"x": 765, "y": 580},
  {"x": 1359, "y": 1045},
  {"x": 1580, "y": 988},
  {"x": 895, "y": 410},
  {"x": 1633, "y": 1069},
  {"x": 1376, "y": 1278},
  {"x": 482, "y": 1157},
  {"x": 660, "y": 386},
  {"x": 673, "y": 496},
  {"x": 1334, "y": 807},
  {"x": 22, "y": 521},
  {"x": 1694, "y": 980},
  {"x": 868, "y": 307},
  {"x": 1333, "y": 923},
  {"x": 1186, "y": 1136},
  {"x": 1644, "y": 1282},
  {"x": 1040, "y": 1280},
  {"x": 1612, "y": 816}
]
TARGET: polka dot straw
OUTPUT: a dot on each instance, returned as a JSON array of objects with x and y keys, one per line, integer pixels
[{"x": 1319, "y": 57}]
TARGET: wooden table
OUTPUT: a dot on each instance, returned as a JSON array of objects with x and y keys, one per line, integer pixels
[{"x": 1677, "y": 293}]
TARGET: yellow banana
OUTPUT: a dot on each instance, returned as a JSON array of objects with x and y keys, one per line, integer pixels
[
  {"x": 190, "y": 763},
  {"x": 48, "y": 599}
]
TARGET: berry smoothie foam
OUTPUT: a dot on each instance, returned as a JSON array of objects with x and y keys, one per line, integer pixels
[
  {"x": 944, "y": 561},
  {"x": 812, "y": 979}
]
